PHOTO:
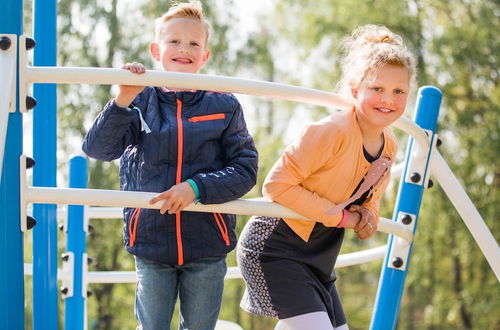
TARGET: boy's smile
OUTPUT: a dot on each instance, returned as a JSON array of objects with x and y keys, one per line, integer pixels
[{"x": 181, "y": 46}]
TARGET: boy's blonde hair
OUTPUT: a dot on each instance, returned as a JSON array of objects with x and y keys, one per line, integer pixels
[
  {"x": 369, "y": 48},
  {"x": 191, "y": 9}
]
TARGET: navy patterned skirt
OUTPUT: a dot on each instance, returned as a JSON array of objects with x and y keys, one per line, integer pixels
[{"x": 286, "y": 276}]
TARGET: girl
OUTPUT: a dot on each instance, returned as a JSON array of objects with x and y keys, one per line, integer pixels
[{"x": 335, "y": 174}]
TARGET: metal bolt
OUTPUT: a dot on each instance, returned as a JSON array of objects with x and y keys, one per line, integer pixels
[
  {"x": 439, "y": 142},
  {"x": 30, "y": 102},
  {"x": 30, "y": 222},
  {"x": 397, "y": 262},
  {"x": 430, "y": 184},
  {"x": 61, "y": 227},
  {"x": 64, "y": 290},
  {"x": 89, "y": 293},
  {"x": 30, "y": 162},
  {"x": 415, "y": 177},
  {"x": 30, "y": 43},
  {"x": 5, "y": 43},
  {"x": 65, "y": 257},
  {"x": 406, "y": 219},
  {"x": 90, "y": 260}
]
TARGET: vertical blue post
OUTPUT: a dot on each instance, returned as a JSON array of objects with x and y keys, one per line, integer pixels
[
  {"x": 74, "y": 311},
  {"x": 11, "y": 237},
  {"x": 45, "y": 293},
  {"x": 391, "y": 285}
]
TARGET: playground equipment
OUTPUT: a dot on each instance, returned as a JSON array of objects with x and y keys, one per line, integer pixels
[{"x": 422, "y": 160}]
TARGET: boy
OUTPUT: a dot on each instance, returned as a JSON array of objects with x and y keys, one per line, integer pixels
[{"x": 189, "y": 146}]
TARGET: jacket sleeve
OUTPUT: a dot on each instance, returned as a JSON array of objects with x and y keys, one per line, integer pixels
[
  {"x": 114, "y": 129},
  {"x": 240, "y": 158},
  {"x": 284, "y": 183}
]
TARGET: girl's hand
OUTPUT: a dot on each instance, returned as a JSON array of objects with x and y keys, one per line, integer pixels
[
  {"x": 353, "y": 218},
  {"x": 127, "y": 93},
  {"x": 177, "y": 198},
  {"x": 367, "y": 226}
]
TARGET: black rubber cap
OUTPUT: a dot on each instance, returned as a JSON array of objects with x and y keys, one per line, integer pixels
[{"x": 5, "y": 43}]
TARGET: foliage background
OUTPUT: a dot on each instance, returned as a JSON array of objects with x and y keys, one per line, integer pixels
[{"x": 450, "y": 285}]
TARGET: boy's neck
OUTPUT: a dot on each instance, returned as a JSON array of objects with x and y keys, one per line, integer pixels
[{"x": 167, "y": 90}]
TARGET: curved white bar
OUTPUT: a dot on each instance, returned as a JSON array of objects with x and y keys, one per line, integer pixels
[
  {"x": 467, "y": 210},
  {"x": 107, "y": 76},
  {"x": 257, "y": 206},
  {"x": 105, "y": 212},
  {"x": 343, "y": 260}
]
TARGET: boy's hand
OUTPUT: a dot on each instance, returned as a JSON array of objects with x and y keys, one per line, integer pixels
[
  {"x": 177, "y": 198},
  {"x": 367, "y": 226},
  {"x": 126, "y": 93}
]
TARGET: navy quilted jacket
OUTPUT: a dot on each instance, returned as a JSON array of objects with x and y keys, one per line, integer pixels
[{"x": 193, "y": 135}]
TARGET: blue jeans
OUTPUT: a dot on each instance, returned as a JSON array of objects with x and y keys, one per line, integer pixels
[{"x": 198, "y": 284}]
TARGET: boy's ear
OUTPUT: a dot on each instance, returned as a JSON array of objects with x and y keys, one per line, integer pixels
[
  {"x": 206, "y": 55},
  {"x": 154, "y": 50}
]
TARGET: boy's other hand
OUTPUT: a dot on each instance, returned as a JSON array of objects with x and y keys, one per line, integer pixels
[
  {"x": 177, "y": 198},
  {"x": 127, "y": 93},
  {"x": 367, "y": 225}
]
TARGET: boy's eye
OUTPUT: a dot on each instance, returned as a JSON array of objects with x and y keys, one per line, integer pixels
[
  {"x": 377, "y": 89},
  {"x": 174, "y": 41},
  {"x": 399, "y": 91},
  {"x": 194, "y": 43}
]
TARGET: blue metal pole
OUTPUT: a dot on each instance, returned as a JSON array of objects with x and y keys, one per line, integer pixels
[
  {"x": 74, "y": 312},
  {"x": 45, "y": 293},
  {"x": 11, "y": 237},
  {"x": 391, "y": 285}
]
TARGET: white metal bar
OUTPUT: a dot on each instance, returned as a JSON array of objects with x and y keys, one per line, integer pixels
[
  {"x": 343, "y": 260},
  {"x": 113, "y": 198},
  {"x": 107, "y": 76},
  {"x": 467, "y": 210}
]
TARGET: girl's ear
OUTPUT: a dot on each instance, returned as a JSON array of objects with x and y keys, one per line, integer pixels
[
  {"x": 154, "y": 50},
  {"x": 354, "y": 93}
]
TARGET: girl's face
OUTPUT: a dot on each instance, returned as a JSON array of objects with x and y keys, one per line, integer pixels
[{"x": 381, "y": 97}]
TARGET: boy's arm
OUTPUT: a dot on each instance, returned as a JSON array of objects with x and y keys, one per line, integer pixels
[
  {"x": 114, "y": 129},
  {"x": 240, "y": 173}
]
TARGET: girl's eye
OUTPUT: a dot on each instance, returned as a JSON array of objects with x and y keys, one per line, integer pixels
[
  {"x": 174, "y": 41},
  {"x": 194, "y": 43},
  {"x": 399, "y": 91},
  {"x": 377, "y": 89}
]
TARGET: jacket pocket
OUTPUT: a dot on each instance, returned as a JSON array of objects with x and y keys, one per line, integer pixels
[
  {"x": 132, "y": 226},
  {"x": 219, "y": 220},
  {"x": 214, "y": 116}
]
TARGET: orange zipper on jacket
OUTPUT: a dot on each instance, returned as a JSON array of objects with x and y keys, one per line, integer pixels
[
  {"x": 180, "y": 252},
  {"x": 132, "y": 226},
  {"x": 219, "y": 220},
  {"x": 207, "y": 117}
]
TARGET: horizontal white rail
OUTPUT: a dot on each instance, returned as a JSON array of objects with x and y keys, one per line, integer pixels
[
  {"x": 110, "y": 76},
  {"x": 113, "y": 198},
  {"x": 344, "y": 260},
  {"x": 107, "y": 76},
  {"x": 463, "y": 204}
]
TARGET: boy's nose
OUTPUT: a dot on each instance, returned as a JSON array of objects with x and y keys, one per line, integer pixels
[{"x": 184, "y": 48}]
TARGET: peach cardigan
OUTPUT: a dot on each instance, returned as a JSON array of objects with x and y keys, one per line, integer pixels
[{"x": 322, "y": 168}]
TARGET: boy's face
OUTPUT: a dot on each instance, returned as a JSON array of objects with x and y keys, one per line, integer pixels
[{"x": 181, "y": 46}]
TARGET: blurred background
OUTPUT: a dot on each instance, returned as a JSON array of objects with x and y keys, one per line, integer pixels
[{"x": 449, "y": 285}]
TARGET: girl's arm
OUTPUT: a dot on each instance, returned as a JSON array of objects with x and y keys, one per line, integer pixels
[{"x": 284, "y": 182}]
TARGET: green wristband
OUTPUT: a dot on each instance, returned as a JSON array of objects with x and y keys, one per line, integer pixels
[{"x": 195, "y": 188}]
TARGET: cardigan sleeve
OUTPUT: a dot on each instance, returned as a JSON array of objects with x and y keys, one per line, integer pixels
[{"x": 304, "y": 157}]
